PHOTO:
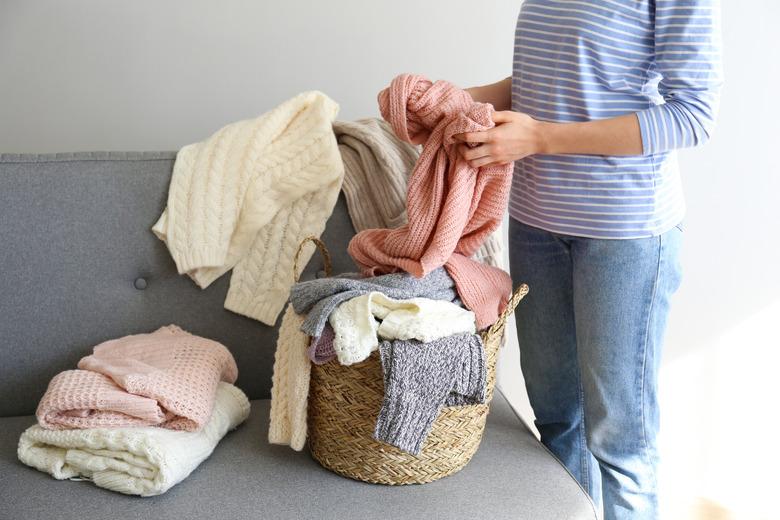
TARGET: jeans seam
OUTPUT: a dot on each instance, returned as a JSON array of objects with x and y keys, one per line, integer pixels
[
  {"x": 585, "y": 460},
  {"x": 644, "y": 354}
]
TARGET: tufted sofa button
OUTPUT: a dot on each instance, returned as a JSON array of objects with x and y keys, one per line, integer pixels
[{"x": 140, "y": 283}]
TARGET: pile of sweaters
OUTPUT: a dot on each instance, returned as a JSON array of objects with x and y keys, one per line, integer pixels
[
  {"x": 246, "y": 197},
  {"x": 431, "y": 356},
  {"x": 429, "y": 277},
  {"x": 139, "y": 414},
  {"x": 134, "y": 419},
  {"x": 427, "y": 249}
]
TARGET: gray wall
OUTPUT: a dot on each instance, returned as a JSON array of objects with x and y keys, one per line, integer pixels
[
  {"x": 109, "y": 75},
  {"x": 150, "y": 75}
]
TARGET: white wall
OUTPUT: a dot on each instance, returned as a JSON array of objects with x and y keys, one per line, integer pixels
[
  {"x": 719, "y": 381},
  {"x": 109, "y": 75}
]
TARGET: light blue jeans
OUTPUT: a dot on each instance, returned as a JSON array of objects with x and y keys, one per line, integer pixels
[{"x": 590, "y": 334}]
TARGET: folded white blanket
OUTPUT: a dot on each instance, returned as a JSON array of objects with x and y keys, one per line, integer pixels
[{"x": 142, "y": 461}]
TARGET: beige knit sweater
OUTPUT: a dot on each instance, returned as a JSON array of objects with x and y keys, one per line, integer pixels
[
  {"x": 377, "y": 165},
  {"x": 246, "y": 197}
]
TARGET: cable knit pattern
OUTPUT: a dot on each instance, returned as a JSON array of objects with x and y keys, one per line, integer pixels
[
  {"x": 377, "y": 165},
  {"x": 290, "y": 384},
  {"x": 452, "y": 207},
  {"x": 142, "y": 461},
  {"x": 318, "y": 298},
  {"x": 168, "y": 378},
  {"x": 420, "y": 378},
  {"x": 246, "y": 197},
  {"x": 356, "y": 328}
]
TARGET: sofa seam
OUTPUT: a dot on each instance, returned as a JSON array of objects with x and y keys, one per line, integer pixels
[{"x": 38, "y": 158}]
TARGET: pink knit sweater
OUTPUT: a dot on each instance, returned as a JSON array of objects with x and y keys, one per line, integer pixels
[
  {"x": 452, "y": 207},
  {"x": 167, "y": 378}
]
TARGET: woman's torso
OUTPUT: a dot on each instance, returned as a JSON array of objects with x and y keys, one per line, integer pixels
[{"x": 580, "y": 61}]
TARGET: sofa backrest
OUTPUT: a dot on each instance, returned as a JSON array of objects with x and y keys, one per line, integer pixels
[{"x": 79, "y": 265}]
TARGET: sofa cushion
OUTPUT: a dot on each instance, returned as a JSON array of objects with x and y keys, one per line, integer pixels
[
  {"x": 80, "y": 266},
  {"x": 512, "y": 476}
]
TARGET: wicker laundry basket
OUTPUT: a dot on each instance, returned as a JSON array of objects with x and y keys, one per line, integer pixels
[{"x": 344, "y": 402}]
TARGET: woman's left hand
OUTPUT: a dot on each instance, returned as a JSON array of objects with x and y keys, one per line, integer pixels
[{"x": 516, "y": 135}]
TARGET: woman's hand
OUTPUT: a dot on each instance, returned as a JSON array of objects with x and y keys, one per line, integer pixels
[{"x": 516, "y": 135}]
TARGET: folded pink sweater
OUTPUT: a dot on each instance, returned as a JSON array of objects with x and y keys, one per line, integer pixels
[
  {"x": 167, "y": 378},
  {"x": 452, "y": 207}
]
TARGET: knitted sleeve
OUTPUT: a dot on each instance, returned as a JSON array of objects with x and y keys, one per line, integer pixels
[
  {"x": 262, "y": 278},
  {"x": 290, "y": 384},
  {"x": 245, "y": 198}
]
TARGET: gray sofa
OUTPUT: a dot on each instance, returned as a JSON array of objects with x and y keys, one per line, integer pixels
[{"x": 78, "y": 265}]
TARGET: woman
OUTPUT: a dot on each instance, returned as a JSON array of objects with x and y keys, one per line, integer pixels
[{"x": 602, "y": 93}]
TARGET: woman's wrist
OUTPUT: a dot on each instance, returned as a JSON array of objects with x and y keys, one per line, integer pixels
[{"x": 543, "y": 133}]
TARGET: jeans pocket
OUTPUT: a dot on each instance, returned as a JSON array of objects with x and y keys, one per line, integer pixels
[{"x": 680, "y": 227}]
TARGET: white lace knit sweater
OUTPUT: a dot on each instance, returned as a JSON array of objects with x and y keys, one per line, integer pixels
[
  {"x": 244, "y": 199},
  {"x": 357, "y": 330}
]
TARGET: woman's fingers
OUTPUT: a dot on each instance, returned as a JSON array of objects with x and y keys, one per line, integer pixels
[
  {"x": 469, "y": 153},
  {"x": 477, "y": 156},
  {"x": 487, "y": 162},
  {"x": 502, "y": 116},
  {"x": 482, "y": 155},
  {"x": 472, "y": 137},
  {"x": 483, "y": 161}
]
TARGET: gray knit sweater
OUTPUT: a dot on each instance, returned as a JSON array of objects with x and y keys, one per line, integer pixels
[
  {"x": 318, "y": 298},
  {"x": 420, "y": 378}
]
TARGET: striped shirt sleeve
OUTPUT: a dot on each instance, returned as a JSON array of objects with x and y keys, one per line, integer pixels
[{"x": 688, "y": 59}]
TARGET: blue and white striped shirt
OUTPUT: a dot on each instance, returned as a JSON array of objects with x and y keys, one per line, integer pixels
[{"x": 580, "y": 60}]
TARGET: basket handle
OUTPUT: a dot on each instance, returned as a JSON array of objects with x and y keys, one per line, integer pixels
[
  {"x": 321, "y": 247},
  {"x": 517, "y": 295}
]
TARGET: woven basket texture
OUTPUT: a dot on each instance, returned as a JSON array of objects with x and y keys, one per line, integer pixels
[{"x": 344, "y": 402}]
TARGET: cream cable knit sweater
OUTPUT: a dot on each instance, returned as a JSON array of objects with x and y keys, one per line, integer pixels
[
  {"x": 357, "y": 331},
  {"x": 290, "y": 384},
  {"x": 246, "y": 197},
  {"x": 142, "y": 461}
]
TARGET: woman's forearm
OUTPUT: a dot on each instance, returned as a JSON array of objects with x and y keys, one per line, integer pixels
[
  {"x": 517, "y": 135},
  {"x": 498, "y": 94},
  {"x": 615, "y": 136}
]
